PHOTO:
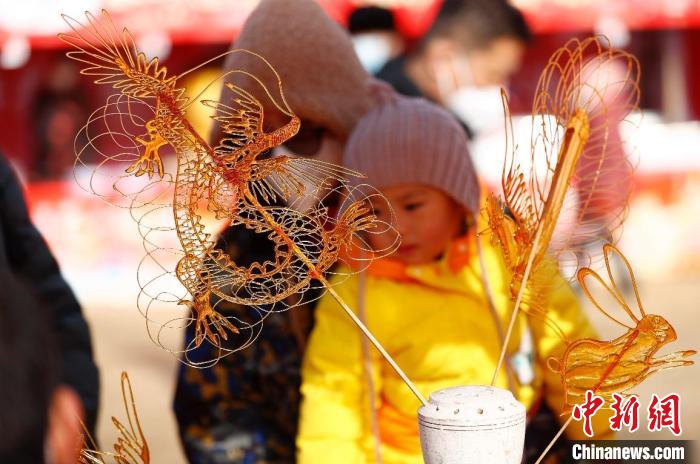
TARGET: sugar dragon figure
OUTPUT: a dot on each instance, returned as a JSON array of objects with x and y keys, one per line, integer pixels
[{"x": 236, "y": 180}]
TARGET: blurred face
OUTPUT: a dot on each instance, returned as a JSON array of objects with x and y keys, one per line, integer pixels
[
  {"x": 425, "y": 218},
  {"x": 313, "y": 140},
  {"x": 493, "y": 65},
  {"x": 317, "y": 142},
  {"x": 496, "y": 63}
]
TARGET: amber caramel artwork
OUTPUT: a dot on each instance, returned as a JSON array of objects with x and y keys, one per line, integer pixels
[
  {"x": 615, "y": 366},
  {"x": 241, "y": 180},
  {"x": 618, "y": 365},
  {"x": 568, "y": 189},
  {"x": 131, "y": 446}
]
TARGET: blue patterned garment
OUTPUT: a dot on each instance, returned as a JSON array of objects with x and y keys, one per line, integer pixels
[{"x": 245, "y": 408}]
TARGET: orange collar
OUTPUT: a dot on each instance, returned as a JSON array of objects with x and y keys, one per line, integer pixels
[{"x": 458, "y": 256}]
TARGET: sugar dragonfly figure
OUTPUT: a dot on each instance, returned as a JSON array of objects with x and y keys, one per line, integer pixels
[
  {"x": 605, "y": 367},
  {"x": 616, "y": 366}
]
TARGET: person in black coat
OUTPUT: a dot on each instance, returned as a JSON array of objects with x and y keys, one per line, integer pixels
[
  {"x": 472, "y": 48},
  {"x": 40, "y": 419},
  {"x": 25, "y": 255}
]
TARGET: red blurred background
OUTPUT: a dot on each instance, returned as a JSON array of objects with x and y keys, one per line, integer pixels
[{"x": 43, "y": 100}]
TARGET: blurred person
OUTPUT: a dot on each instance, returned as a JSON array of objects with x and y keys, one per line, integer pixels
[
  {"x": 59, "y": 114},
  {"x": 469, "y": 53},
  {"x": 25, "y": 254},
  {"x": 374, "y": 36},
  {"x": 426, "y": 303},
  {"x": 245, "y": 408},
  {"x": 40, "y": 420},
  {"x": 323, "y": 81}
]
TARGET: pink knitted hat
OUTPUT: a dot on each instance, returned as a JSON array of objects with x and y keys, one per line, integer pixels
[
  {"x": 323, "y": 81},
  {"x": 410, "y": 140}
]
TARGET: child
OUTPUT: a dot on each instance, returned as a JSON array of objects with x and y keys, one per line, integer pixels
[{"x": 426, "y": 303}]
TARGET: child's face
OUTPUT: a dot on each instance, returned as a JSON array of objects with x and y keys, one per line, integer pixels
[{"x": 426, "y": 219}]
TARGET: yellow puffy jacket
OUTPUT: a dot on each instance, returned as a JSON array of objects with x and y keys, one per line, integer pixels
[{"x": 434, "y": 321}]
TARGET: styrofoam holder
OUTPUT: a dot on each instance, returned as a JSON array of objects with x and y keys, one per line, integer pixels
[{"x": 473, "y": 424}]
